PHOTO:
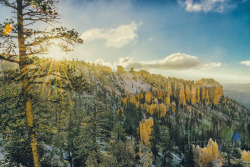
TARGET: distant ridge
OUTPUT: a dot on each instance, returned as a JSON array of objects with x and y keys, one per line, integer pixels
[{"x": 238, "y": 92}]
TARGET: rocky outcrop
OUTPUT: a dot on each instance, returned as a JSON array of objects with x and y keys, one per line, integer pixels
[
  {"x": 103, "y": 69},
  {"x": 207, "y": 155},
  {"x": 143, "y": 89},
  {"x": 167, "y": 90},
  {"x": 159, "y": 109},
  {"x": 193, "y": 95},
  {"x": 245, "y": 156},
  {"x": 145, "y": 129},
  {"x": 120, "y": 69},
  {"x": 198, "y": 95},
  {"x": 188, "y": 93},
  {"x": 181, "y": 96},
  {"x": 148, "y": 97},
  {"x": 167, "y": 99}
]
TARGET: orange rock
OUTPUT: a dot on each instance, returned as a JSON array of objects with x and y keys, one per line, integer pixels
[
  {"x": 188, "y": 93},
  {"x": 132, "y": 100},
  {"x": 124, "y": 100},
  {"x": 181, "y": 96},
  {"x": 245, "y": 156},
  {"x": 103, "y": 69},
  {"x": 139, "y": 153},
  {"x": 120, "y": 69},
  {"x": 207, "y": 96},
  {"x": 145, "y": 129},
  {"x": 169, "y": 88},
  {"x": 205, "y": 156},
  {"x": 167, "y": 100},
  {"x": 148, "y": 97},
  {"x": 152, "y": 109},
  {"x": 193, "y": 95},
  {"x": 174, "y": 89},
  {"x": 162, "y": 110},
  {"x": 203, "y": 94},
  {"x": 198, "y": 95}
]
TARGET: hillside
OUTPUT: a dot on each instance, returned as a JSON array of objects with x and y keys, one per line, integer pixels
[
  {"x": 123, "y": 118},
  {"x": 199, "y": 105}
]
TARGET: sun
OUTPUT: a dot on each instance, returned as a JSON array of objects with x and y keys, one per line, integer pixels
[{"x": 55, "y": 51}]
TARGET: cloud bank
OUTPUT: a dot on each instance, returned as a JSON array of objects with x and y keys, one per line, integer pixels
[
  {"x": 176, "y": 61},
  {"x": 247, "y": 62},
  {"x": 115, "y": 37},
  {"x": 206, "y": 5}
]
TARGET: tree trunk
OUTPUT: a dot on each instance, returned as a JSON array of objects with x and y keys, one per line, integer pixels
[
  {"x": 70, "y": 142},
  {"x": 25, "y": 85}
]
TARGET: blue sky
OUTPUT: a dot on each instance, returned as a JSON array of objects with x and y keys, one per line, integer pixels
[{"x": 188, "y": 39}]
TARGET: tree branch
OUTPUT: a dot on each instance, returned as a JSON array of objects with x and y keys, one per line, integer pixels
[
  {"x": 8, "y": 59},
  {"x": 6, "y": 3}
]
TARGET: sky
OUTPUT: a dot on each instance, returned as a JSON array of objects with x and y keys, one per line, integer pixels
[{"x": 189, "y": 39}]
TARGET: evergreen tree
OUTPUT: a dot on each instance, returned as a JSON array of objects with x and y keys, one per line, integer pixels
[
  {"x": 137, "y": 150},
  {"x": 92, "y": 161},
  {"x": 155, "y": 138},
  {"x": 31, "y": 43},
  {"x": 117, "y": 133},
  {"x": 167, "y": 147},
  {"x": 123, "y": 154},
  {"x": 188, "y": 160}
]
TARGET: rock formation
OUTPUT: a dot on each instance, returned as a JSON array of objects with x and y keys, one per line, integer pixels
[
  {"x": 245, "y": 156},
  {"x": 165, "y": 91},
  {"x": 145, "y": 129},
  {"x": 207, "y": 155}
]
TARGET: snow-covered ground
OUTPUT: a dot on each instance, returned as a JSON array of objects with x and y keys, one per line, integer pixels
[{"x": 134, "y": 84}]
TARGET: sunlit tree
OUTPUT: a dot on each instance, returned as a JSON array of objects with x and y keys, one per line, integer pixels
[{"x": 21, "y": 41}]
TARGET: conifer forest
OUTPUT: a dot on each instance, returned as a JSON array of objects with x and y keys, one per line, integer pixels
[{"x": 72, "y": 112}]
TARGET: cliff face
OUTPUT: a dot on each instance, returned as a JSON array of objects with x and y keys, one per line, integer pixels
[
  {"x": 171, "y": 93},
  {"x": 151, "y": 92},
  {"x": 185, "y": 92},
  {"x": 200, "y": 91},
  {"x": 145, "y": 129},
  {"x": 182, "y": 94}
]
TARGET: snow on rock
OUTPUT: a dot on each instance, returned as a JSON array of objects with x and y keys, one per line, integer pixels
[{"x": 134, "y": 84}]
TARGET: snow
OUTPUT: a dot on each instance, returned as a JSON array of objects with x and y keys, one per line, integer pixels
[
  {"x": 176, "y": 159},
  {"x": 133, "y": 86}
]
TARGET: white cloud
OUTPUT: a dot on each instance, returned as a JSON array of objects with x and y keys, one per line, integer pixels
[
  {"x": 115, "y": 37},
  {"x": 211, "y": 65},
  {"x": 247, "y": 62},
  {"x": 175, "y": 61},
  {"x": 206, "y": 5}
]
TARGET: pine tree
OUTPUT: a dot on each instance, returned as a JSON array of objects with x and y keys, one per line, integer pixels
[
  {"x": 31, "y": 43},
  {"x": 155, "y": 138},
  {"x": 117, "y": 133},
  {"x": 123, "y": 153},
  {"x": 167, "y": 147},
  {"x": 137, "y": 150},
  {"x": 92, "y": 161}
]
